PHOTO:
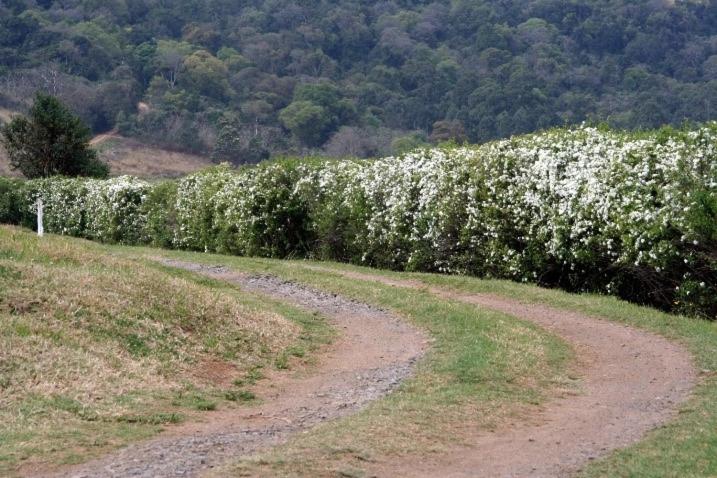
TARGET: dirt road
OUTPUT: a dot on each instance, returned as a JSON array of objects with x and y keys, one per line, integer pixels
[
  {"x": 374, "y": 352},
  {"x": 631, "y": 382}
]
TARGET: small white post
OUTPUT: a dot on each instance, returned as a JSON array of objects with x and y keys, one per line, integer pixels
[{"x": 40, "y": 228}]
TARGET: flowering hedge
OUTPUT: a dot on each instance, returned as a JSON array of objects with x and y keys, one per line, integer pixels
[{"x": 585, "y": 209}]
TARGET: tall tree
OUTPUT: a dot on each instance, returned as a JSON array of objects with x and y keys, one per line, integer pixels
[{"x": 51, "y": 141}]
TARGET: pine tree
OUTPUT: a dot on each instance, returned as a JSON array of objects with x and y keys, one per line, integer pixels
[{"x": 51, "y": 141}]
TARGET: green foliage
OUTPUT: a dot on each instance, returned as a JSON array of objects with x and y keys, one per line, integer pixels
[
  {"x": 206, "y": 74},
  {"x": 586, "y": 209},
  {"x": 161, "y": 215},
  {"x": 499, "y": 68},
  {"x": 11, "y": 192},
  {"x": 309, "y": 122},
  {"x": 51, "y": 141},
  {"x": 237, "y": 146}
]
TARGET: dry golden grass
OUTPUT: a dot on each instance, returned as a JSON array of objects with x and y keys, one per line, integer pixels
[
  {"x": 6, "y": 115},
  {"x": 128, "y": 156},
  {"x": 90, "y": 341}
]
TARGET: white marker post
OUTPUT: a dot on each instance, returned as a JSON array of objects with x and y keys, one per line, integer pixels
[{"x": 40, "y": 228}]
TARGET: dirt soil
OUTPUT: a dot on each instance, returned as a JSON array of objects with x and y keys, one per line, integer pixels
[
  {"x": 374, "y": 352},
  {"x": 632, "y": 381}
]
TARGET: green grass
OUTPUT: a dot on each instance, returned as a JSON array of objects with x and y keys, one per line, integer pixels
[
  {"x": 686, "y": 447},
  {"x": 484, "y": 368},
  {"x": 97, "y": 350}
]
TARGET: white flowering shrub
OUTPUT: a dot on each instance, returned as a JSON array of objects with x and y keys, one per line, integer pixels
[
  {"x": 264, "y": 210},
  {"x": 104, "y": 210},
  {"x": 585, "y": 209},
  {"x": 196, "y": 226}
]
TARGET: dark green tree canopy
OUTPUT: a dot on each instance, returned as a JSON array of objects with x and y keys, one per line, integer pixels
[
  {"x": 51, "y": 141},
  {"x": 170, "y": 71}
]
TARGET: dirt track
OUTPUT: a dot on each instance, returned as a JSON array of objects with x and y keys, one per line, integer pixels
[
  {"x": 632, "y": 381},
  {"x": 373, "y": 354}
]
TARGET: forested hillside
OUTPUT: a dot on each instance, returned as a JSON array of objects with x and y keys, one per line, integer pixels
[{"x": 244, "y": 80}]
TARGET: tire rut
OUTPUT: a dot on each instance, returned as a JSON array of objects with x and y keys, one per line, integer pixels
[{"x": 632, "y": 381}]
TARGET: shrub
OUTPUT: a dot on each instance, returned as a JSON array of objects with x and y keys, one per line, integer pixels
[
  {"x": 197, "y": 227},
  {"x": 586, "y": 209},
  {"x": 159, "y": 208},
  {"x": 11, "y": 192},
  {"x": 108, "y": 211}
]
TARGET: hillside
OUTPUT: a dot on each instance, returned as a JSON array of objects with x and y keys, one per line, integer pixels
[
  {"x": 142, "y": 362},
  {"x": 251, "y": 79},
  {"x": 130, "y": 156},
  {"x": 98, "y": 350}
]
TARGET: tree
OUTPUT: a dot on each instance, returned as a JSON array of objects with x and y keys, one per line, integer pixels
[
  {"x": 240, "y": 144},
  {"x": 206, "y": 75},
  {"x": 51, "y": 141},
  {"x": 307, "y": 121}
]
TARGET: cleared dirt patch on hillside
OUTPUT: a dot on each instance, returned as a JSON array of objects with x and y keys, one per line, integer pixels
[{"x": 376, "y": 350}]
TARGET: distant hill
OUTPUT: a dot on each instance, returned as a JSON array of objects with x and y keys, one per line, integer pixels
[{"x": 245, "y": 80}]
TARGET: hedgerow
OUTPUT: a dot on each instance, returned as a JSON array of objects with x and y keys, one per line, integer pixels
[{"x": 585, "y": 209}]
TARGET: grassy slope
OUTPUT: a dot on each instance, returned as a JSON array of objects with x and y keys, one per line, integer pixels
[
  {"x": 492, "y": 374},
  {"x": 128, "y": 156},
  {"x": 96, "y": 351}
]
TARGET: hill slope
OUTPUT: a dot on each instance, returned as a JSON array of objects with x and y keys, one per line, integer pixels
[
  {"x": 351, "y": 77},
  {"x": 129, "y": 156},
  {"x": 98, "y": 350}
]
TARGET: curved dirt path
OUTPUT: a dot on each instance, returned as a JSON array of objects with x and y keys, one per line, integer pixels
[
  {"x": 374, "y": 352},
  {"x": 631, "y": 382}
]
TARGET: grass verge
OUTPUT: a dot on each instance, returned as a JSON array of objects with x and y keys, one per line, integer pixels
[{"x": 98, "y": 350}]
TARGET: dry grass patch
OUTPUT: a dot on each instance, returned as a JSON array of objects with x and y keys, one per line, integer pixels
[
  {"x": 129, "y": 156},
  {"x": 97, "y": 350}
]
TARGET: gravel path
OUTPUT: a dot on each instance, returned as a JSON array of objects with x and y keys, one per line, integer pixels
[
  {"x": 632, "y": 381},
  {"x": 376, "y": 350}
]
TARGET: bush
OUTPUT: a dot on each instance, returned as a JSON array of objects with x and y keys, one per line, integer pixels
[
  {"x": 10, "y": 201},
  {"x": 633, "y": 215},
  {"x": 108, "y": 211},
  {"x": 160, "y": 211}
]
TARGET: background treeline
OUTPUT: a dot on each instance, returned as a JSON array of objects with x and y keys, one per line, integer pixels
[
  {"x": 633, "y": 215},
  {"x": 245, "y": 80}
]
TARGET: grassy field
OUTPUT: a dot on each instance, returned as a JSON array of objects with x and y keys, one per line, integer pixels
[
  {"x": 129, "y": 156},
  {"x": 484, "y": 369},
  {"x": 99, "y": 350}
]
